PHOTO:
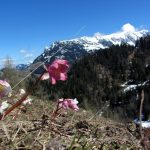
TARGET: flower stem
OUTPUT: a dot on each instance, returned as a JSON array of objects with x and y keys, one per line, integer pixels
[{"x": 55, "y": 113}]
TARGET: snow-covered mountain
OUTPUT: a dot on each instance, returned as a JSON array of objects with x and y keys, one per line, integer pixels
[
  {"x": 22, "y": 66},
  {"x": 76, "y": 48}
]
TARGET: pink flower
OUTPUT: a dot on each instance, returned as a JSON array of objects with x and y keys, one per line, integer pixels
[
  {"x": 57, "y": 71},
  {"x": 69, "y": 103},
  {"x": 5, "y": 88}
]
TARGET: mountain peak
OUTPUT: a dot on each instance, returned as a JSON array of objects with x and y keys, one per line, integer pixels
[
  {"x": 76, "y": 48},
  {"x": 128, "y": 34}
]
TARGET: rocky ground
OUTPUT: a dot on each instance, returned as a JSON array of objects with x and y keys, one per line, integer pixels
[{"x": 34, "y": 128}]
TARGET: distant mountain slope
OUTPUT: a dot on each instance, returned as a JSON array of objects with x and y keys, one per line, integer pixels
[
  {"x": 22, "y": 66},
  {"x": 111, "y": 80},
  {"x": 76, "y": 48}
]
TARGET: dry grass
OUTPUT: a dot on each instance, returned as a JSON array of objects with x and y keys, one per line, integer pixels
[{"x": 35, "y": 129}]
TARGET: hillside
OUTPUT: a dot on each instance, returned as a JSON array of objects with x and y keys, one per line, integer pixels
[
  {"x": 35, "y": 129},
  {"x": 110, "y": 80}
]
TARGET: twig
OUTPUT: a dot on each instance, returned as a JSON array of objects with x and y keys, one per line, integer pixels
[
  {"x": 140, "y": 117},
  {"x": 94, "y": 115},
  {"x": 43, "y": 144},
  {"x": 17, "y": 132},
  {"x": 36, "y": 138},
  {"x": 5, "y": 130}
]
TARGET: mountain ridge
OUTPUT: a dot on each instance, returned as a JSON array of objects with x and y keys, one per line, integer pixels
[
  {"x": 110, "y": 80},
  {"x": 78, "y": 47}
]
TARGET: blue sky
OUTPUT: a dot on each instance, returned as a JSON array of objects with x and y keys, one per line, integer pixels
[{"x": 27, "y": 26}]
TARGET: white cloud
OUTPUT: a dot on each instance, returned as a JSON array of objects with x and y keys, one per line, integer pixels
[
  {"x": 23, "y": 51},
  {"x": 28, "y": 55},
  {"x": 125, "y": 28},
  {"x": 128, "y": 28}
]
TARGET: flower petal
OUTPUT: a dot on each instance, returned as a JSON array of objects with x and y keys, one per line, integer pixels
[
  {"x": 63, "y": 76},
  {"x": 53, "y": 80},
  {"x": 5, "y": 88},
  {"x": 58, "y": 70},
  {"x": 45, "y": 76},
  {"x": 3, "y": 106}
]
